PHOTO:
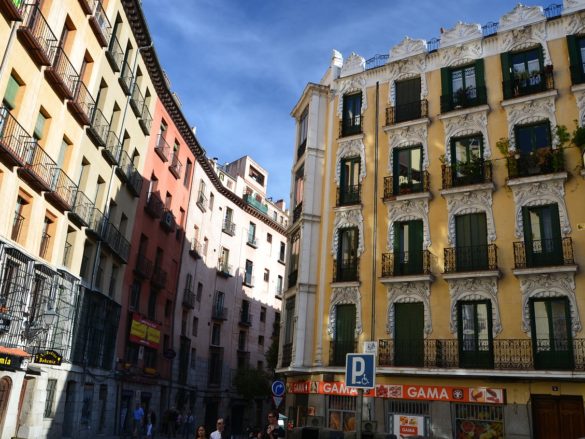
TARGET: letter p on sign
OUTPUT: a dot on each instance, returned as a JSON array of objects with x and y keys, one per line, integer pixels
[
  {"x": 358, "y": 368},
  {"x": 360, "y": 371}
]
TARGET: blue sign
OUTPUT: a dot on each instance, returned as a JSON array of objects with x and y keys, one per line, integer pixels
[
  {"x": 278, "y": 388},
  {"x": 360, "y": 371}
]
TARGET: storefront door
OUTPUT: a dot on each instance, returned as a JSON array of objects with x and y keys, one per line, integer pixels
[{"x": 558, "y": 417}]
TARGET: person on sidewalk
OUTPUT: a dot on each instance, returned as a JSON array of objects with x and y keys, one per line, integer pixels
[
  {"x": 150, "y": 424},
  {"x": 138, "y": 417},
  {"x": 218, "y": 433},
  {"x": 272, "y": 430}
]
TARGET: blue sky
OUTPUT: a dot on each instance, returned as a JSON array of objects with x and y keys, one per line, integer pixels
[{"x": 239, "y": 66}]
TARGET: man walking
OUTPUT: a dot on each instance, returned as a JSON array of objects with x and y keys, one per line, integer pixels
[
  {"x": 218, "y": 433},
  {"x": 138, "y": 417}
]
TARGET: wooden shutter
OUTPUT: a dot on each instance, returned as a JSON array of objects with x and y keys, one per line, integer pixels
[
  {"x": 506, "y": 74},
  {"x": 11, "y": 92}
]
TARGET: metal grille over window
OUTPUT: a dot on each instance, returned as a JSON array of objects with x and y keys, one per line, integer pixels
[
  {"x": 342, "y": 413},
  {"x": 478, "y": 421},
  {"x": 410, "y": 418}
]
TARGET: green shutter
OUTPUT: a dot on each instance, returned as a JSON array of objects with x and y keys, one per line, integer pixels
[
  {"x": 479, "y": 73},
  {"x": 529, "y": 254},
  {"x": 11, "y": 93},
  {"x": 505, "y": 60},
  {"x": 541, "y": 56},
  {"x": 40, "y": 126},
  {"x": 574, "y": 57},
  {"x": 446, "y": 98}
]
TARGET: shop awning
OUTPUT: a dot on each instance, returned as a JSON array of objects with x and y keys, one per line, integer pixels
[{"x": 17, "y": 352}]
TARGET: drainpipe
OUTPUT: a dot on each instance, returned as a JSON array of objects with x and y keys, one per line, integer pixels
[
  {"x": 13, "y": 27},
  {"x": 375, "y": 222}
]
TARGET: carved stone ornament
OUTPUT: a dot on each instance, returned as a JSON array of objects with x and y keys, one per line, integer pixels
[
  {"x": 412, "y": 67},
  {"x": 353, "y": 64},
  {"x": 407, "y": 48},
  {"x": 345, "y": 296},
  {"x": 521, "y": 16},
  {"x": 461, "y": 55},
  {"x": 354, "y": 84},
  {"x": 580, "y": 98},
  {"x": 479, "y": 288},
  {"x": 408, "y": 136},
  {"x": 549, "y": 285},
  {"x": 575, "y": 23},
  {"x": 462, "y": 203},
  {"x": 535, "y": 110},
  {"x": 408, "y": 210},
  {"x": 347, "y": 149},
  {"x": 345, "y": 219},
  {"x": 524, "y": 38},
  {"x": 409, "y": 292},
  {"x": 540, "y": 193},
  {"x": 464, "y": 125},
  {"x": 461, "y": 33}
]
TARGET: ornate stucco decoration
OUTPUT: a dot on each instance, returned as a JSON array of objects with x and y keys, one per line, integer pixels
[
  {"x": 575, "y": 23},
  {"x": 406, "y": 69},
  {"x": 345, "y": 296},
  {"x": 407, "y": 48},
  {"x": 572, "y": 5},
  {"x": 353, "y": 64},
  {"x": 462, "y": 203},
  {"x": 409, "y": 292},
  {"x": 354, "y": 84},
  {"x": 408, "y": 210},
  {"x": 408, "y": 136},
  {"x": 540, "y": 193},
  {"x": 524, "y": 38},
  {"x": 580, "y": 98},
  {"x": 521, "y": 16},
  {"x": 348, "y": 218},
  {"x": 549, "y": 285},
  {"x": 461, "y": 33},
  {"x": 351, "y": 148},
  {"x": 534, "y": 110},
  {"x": 466, "y": 124},
  {"x": 479, "y": 288},
  {"x": 461, "y": 55}
]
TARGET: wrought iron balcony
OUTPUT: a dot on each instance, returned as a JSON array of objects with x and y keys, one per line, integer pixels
[
  {"x": 202, "y": 201},
  {"x": 82, "y": 210},
  {"x": 82, "y": 105},
  {"x": 124, "y": 165},
  {"x": 406, "y": 263},
  {"x": 406, "y": 112},
  {"x": 136, "y": 100},
  {"x": 45, "y": 241},
  {"x": 145, "y": 120},
  {"x": 125, "y": 79},
  {"x": 143, "y": 266},
  {"x": 135, "y": 181},
  {"x": 228, "y": 227},
  {"x": 188, "y": 298},
  {"x": 534, "y": 82},
  {"x": 219, "y": 312},
  {"x": 286, "y": 354},
  {"x": 17, "y": 224},
  {"x": 502, "y": 354},
  {"x": 224, "y": 269},
  {"x": 39, "y": 168},
  {"x": 62, "y": 75},
  {"x": 115, "y": 54},
  {"x": 393, "y": 189},
  {"x": 249, "y": 280},
  {"x": 351, "y": 126},
  {"x": 338, "y": 350},
  {"x": 159, "y": 277},
  {"x": 540, "y": 162},
  {"x": 471, "y": 258},
  {"x": 100, "y": 24},
  {"x": 176, "y": 166},
  {"x": 252, "y": 241},
  {"x": 543, "y": 253},
  {"x": 99, "y": 128},
  {"x": 98, "y": 224},
  {"x": 245, "y": 319},
  {"x": 12, "y": 9},
  {"x": 467, "y": 173},
  {"x": 36, "y": 35},
  {"x": 63, "y": 191},
  {"x": 154, "y": 205},
  {"x": 112, "y": 150},
  {"x": 67, "y": 252},
  {"x": 292, "y": 278},
  {"x": 349, "y": 195},
  {"x": 116, "y": 241},
  {"x": 297, "y": 211},
  {"x": 470, "y": 97},
  {"x": 346, "y": 271},
  {"x": 14, "y": 140},
  {"x": 258, "y": 205},
  {"x": 162, "y": 148},
  {"x": 196, "y": 249},
  {"x": 578, "y": 73}
]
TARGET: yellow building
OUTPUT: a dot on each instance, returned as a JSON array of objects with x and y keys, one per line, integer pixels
[{"x": 438, "y": 213}]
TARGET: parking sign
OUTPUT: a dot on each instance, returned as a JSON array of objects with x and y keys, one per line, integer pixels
[{"x": 360, "y": 371}]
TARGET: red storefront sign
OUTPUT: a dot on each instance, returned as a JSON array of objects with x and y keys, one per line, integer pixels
[{"x": 484, "y": 395}]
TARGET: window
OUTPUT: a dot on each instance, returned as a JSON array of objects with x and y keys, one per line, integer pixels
[
  {"x": 349, "y": 185},
  {"x": 344, "y": 337},
  {"x": 530, "y": 138},
  {"x": 299, "y": 186},
  {"x": 205, "y": 246},
  {"x": 279, "y": 283},
  {"x": 463, "y": 86},
  {"x": 216, "y": 334},
  {"x": 289, "y": 320},
  {"x": 347, "y": 260},
  {"x": 467, "y": 160},
  {"x": 523, "y": 73},
  {"x": 341, "y": 413},
  {"x": 18, "y": 223},
  {"x": 242, "y": 341},
  {"x": 542, "y": 236},
  {"x": 576, "y": 45},
  {"x": 408, "y": 102},
  {"x": 266, "y": 275},
  {"x": 256, "y": 175},
  {"x": 260, "y": 365},
  {"x": 168, "y": 308},
  {"x": 12, "y": 94},
  {"x": 152, "y": 305},
  {"x": 188, "y": 170},
  {"x": 193, "y": 363},
  {"x": 41, "y": 126},
  {"x": 51, "y": 386},
  {"x": 409, "y": 334},
  {"x": 248, "y": 279},
  {"x": 551, "y": 333},
  {"x": 351, "y": 122},
  {"x": 282, "y": 252},
  {"x": 44, "y": 250},
  {"x": 475, "y": 334},
  {"x": 211, "y": 201},
  {"x": 295, "y": 249},
  {"x": 263, "y": 314},
  {"x": 199, "y": 291},
  {"x": 215, "y": 366},
  {"x": 471, "y": 242},
  {"x": 408, "y": 258},
  {"x": 303, "y": 124},
  {"x": 269, "y": 238},
  {"x": 484, "y": 417},
  {"x": 195, "y": 327},
  {"x": 245, "y": 316},
  {"x": 252, "y": 234},
  {"x": 261, "y": 340},
  {"x": 407, "y": 172}
]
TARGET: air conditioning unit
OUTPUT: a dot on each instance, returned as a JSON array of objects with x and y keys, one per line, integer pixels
[
  {"x": 369, "y": 426},
  {"x": 315, "y": 421}
]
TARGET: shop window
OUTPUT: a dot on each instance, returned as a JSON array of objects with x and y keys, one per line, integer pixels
[
  {"x": 50, "y": 399},
  {"x": 341, "y": 413},
  {"x": 475, "y": 419},
  {"x": 409, "y": 418}
]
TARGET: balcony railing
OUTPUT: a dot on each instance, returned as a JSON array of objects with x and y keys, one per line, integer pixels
[
  {"x": 17, "y": 224},
  {"x": 12, "y": 9},
  {"x": 159, "y": 277},
  {"x": 544, "y": 253},
  {"x": 349, "y": 195},
  {"x": 124, "y": 165},
  {"x": 14, "y": 140},
  {"x": 62, "y": 75},
  {"x": 115, "y": 54},
  {"x": 228, "y": 227},
  {"x": 67, "y": 252},
  {"x": 249, "y": 280},
  {"x": 98, "y": 224},
  {"x": 154, "y": 205},
  {"x": 82, "y": 105},
  {"x": 188, "y": 298},
  {"x": 540, "y": 162},
  {"x": 578, "y": 73},
  {"x": 100, "y": 24},
  {"x": 471, "y": 258},
  {"x": 136, "y": 100},
  {"x": 82, "y": 210},
  {"x": 176, "y": 166},
  {"x": 351, "y": 126},
  {"x": 467, "y": 173},
  {"x": 36, "y": 36},
  {"x": 286, "y": 354},
  {"x": 297, "y": 211},
  {"x": 219, "y": 312},
  {"x": 196, "y": 249},
  {"x": 392, "y": 188},
  {"x": 346, "y": 271},
  {"x": 258, "y": 205},
  {"x": 202, "y": 201},
  {"x": 338, "y": 350},
  {"x": 224, "y": 269},
  {"x": 145, "y": 120},
  {"x": 63, "y": 191},
  {"x": 117, "y": 242},
  {"x": 135, "y": 181},
  {"x": 245, "y": 319},
  {"x": 470, "y": 97},
  {"x": 39, "y": 168},
  {"x": 45, "y": 241},
  {"x": 99, "y": 128},
  {"x": 502, "y": 354},
  {"x": 143, "y": 266},
  {"x": 162, "y": 148},
  {"x": 125, "y": 79},
  {"x": 534, "y": 82},
  {"x": 112, "y": 150},
  {"x": 406, "y": 263},
  {"x": 252, "y": 241},
  {"x": 406, "y": 112}
]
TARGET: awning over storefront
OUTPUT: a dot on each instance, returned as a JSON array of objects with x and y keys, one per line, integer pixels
[{"x": 16, "y": 352}]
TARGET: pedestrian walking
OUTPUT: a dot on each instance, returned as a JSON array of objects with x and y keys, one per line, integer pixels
[
  {"x": 138, "y": 417},
  {"x": 219, "y": 428},
  {"x": 201, "y": 433}
]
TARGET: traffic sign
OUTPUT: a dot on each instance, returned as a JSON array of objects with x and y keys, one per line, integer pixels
[
  {"x": 278, "y": 388},
  {"x": 360, "y": 371}
]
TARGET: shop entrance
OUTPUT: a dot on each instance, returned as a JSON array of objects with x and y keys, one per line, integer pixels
[{"x": 558, "y": 417}]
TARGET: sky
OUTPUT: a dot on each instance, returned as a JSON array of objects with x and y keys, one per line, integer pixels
[{"x": 240, "y": 66}]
